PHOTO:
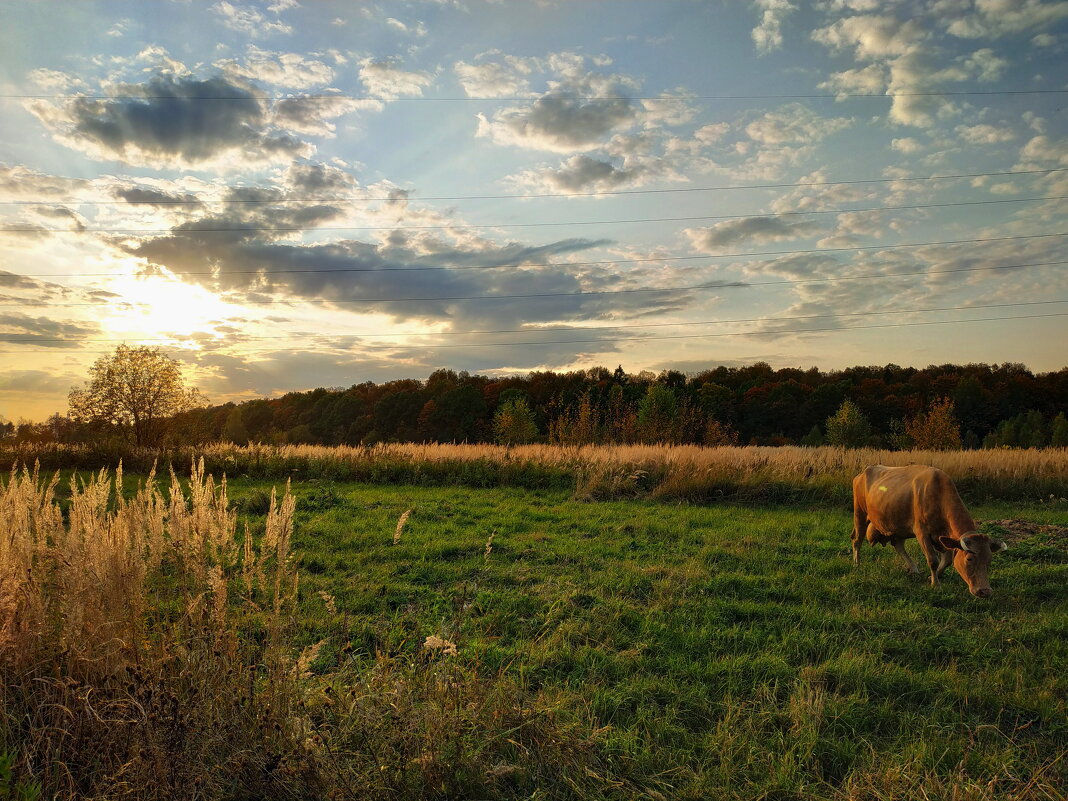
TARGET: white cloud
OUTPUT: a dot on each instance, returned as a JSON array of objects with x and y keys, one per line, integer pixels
[
  {"x": 794, "y": 123},
  {"x": 865, "y": 80},
  {"x": 984, "y": 134},
  {"x": 872, "y": 36},
  {"x": 906, "y": 144},
  {"x": 290, "y": 70},
  {"x": 996, "y": 18},
  {"x": 507, "y": 77},
  {"x": 384, "y": 79},
  {"x": 248, "y": 20},
  {"x": 767, "y": 35}
]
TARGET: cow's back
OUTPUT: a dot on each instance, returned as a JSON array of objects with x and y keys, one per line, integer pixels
[{"x": 896, "y": 498}]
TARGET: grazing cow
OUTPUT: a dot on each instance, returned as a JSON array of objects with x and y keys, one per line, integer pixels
[{"x": 893, "y": 504}]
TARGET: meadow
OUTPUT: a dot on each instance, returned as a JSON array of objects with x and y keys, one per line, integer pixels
[{"x": 585, "y": 634}]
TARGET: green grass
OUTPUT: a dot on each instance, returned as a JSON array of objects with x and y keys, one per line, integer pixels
[
  {"x": 722, "y": 651},
  {"x": 725, "y": 651}
]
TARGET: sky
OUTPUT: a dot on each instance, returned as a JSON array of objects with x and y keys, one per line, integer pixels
[{"x": 290, "y": 194}]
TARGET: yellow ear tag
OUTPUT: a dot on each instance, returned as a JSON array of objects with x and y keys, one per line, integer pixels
[{"x": 882, "y": 489}]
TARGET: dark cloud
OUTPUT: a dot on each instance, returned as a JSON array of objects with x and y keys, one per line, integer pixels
[
  {"x": 42, "y": 331},
  {"x": 243, "y": 261},
  {"x": 180, "y": 121},
  {"x": 561, "y": 121},
  {"x": 317, "y": 180},
  {"x": 36, "y": 381},
  {"x": 582, "y": 173},
  {"x": 140, "y": 196},
  {"x": 754, "y": 230}
]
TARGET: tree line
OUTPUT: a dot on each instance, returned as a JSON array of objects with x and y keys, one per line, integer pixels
[{"x": 944, "y": 406}]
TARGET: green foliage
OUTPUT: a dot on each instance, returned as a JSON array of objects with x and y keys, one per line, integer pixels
[
  {"x": 658, "y": 415},
  {"x": 12, "y": 789},
  {"x": 1059, "y": 431},
  {"x": 234, "y": 429},
  {"x": 513, "y": 423},
  {"x": 1026, "y": 430},
  {"x": 848, "y": 427},
  {"x": 814, "y": 438}
]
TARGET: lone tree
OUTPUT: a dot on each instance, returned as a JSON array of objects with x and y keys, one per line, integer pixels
[
  {"x": 514, "y": 424},
  {"x": 134, "y": 390},
  {"x": 848, "y": 427},
  {"x": 937, "y": 429}
]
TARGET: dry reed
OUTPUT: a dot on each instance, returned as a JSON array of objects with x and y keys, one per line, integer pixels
[{"x": 124, "y": 669}]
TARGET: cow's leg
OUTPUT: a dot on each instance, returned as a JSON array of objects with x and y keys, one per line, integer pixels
[
  {"x": 899, "y": 546},
  {"x": 860, "y": 528},
  {"x": 932, "y": 554}
]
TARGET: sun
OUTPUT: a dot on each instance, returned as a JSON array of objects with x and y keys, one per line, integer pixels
[{"x": 159, "y": 306}]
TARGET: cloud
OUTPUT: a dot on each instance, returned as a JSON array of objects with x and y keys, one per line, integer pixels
[
  {"x": 749, "y": 230},
  {"x": 169, "y": 122},
  {"x": 291, "y": 70},
  {"x": 42, "y": 331},
  {"x": 319, "y": 180},
  {"x": 872, "y": 36},
  {"x": 767, "y": 35},
  {"x": 560, "y": 121},
  {"x": 581, "y": 109},
  {"x": 996, "y": 18},
  {"x": 247, "y": 20},
  {"x": 794, "y": 123},
  {"x": 984, "y": 134},
  {"x": 907, "y": 144},
  {"x": 582, "y": 173},
  {"x": 867, "y": 80},
  {"x": 507, "y": 77},
  {"x": 314, "y": 115},
  {"x": 384, "y": 79},
  {"x": 35, "y": 381}
]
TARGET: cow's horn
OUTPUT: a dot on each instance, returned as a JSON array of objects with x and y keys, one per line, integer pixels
[{"x": 964, "y": 543}]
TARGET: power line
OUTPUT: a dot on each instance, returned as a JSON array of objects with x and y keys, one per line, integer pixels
[
  {"x": 775, "y": 332},
  {"x": 296, "y": 229},
  {"x": 600, "y": 292},
  {"x": 11, "y": 340},
  {"x": 533, "y": 99},
  {"x": 810, "y": 251},
  {"x": 529, "y": 196}
]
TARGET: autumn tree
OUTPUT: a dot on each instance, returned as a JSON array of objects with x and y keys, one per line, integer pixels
[
  {"x": 848, "y": 426},
  {"x": 134, "y": 390},
  {"x": 937, "y": 429}
]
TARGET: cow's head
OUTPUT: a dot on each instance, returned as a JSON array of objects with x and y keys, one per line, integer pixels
[{"x": 971, "y": 558}]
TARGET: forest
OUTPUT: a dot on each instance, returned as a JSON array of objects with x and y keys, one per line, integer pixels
[{"x": 943, "y": 407}]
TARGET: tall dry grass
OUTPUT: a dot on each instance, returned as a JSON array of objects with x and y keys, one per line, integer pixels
[
  {"x": 147, "y": 651},
  {"x": 688, "y": 472},
  {"x": 125, "y": 672}
]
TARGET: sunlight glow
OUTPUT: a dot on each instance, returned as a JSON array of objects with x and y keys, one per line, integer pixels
[{"x": 163, "y": 306}]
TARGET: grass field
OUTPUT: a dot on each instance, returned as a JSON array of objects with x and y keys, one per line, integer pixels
[
  {"x": 718, "y": 652},
  {"x": 630, "y": 649}
]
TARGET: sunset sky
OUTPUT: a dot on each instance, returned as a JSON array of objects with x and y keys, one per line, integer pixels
[{"x": 285, "y": 195}]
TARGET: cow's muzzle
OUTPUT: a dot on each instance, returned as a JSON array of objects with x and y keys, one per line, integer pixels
[{"x": 983, "y": 592}]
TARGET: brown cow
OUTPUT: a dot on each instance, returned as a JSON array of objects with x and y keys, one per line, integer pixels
[{"x": 893, "y": 504}]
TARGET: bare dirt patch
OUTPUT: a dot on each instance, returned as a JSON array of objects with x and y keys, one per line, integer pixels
[{"x": 1027, "y": 531}]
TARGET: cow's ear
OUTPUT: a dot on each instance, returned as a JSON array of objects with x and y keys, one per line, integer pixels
[
  {"x": 998, "y": 545},
  {"x": 949, "y": 543}
]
